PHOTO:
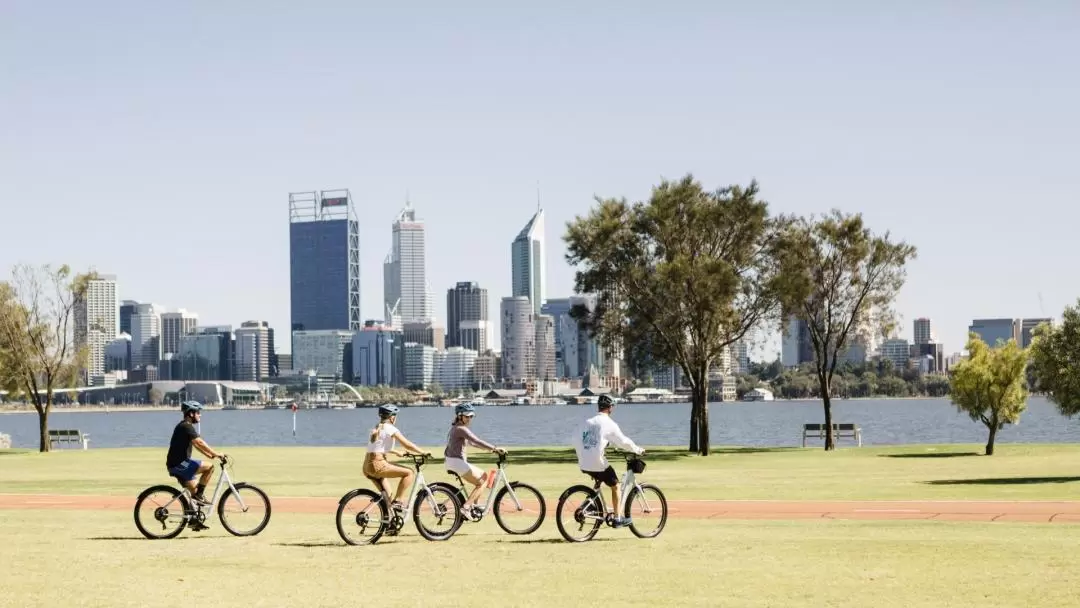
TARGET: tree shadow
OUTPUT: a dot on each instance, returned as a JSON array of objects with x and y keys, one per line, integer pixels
[
  {"x": 932, "y": 455},
  {"x": 1001, "y": 481},
  {"x": 527, "y": 456}
]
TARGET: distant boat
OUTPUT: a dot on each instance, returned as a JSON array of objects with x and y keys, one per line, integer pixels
[{"x": 758, "y": 394}]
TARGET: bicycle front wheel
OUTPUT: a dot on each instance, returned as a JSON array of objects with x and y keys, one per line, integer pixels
[
  {"x": 647, "y": 509},
  {"x": 523, "y": 520},
  {"x": 161, "y": 512},
  {"x": 244, "y": 512},
  {"x": 361, "y": 517},
  {"x": 437, "y": 513},
  {"x": 579, "y": 514}
]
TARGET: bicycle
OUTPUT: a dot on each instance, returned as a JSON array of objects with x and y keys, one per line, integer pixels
[
  {"x": 593, "y": 508},
  {"x": 506, "y": 488},
  {"x": 151, "y": 513},
  {"x": 443, "y": 503}
]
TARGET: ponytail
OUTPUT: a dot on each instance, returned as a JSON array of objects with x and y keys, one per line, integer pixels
[{"x": 378, "y": 427}]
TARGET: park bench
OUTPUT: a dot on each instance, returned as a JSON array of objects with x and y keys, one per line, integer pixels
[
  {"x": 840, "y": 430},
  {"x": 61, "y": 437}
]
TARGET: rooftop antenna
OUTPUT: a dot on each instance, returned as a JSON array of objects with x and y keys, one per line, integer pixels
[{"x": 537, "y": 196}]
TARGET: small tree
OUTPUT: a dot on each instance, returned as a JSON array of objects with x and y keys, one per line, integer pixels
[
  {"x": 990, "y": 386},
  {"x": 678, "y": 278},
  {"x": 38, "y": 353},
  {"x": 841, "y": 280},
  {"x": 156, "y": 396},
  {"x": 1055, "y": 361}
]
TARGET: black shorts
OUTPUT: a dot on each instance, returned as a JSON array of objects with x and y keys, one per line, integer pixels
[{"x": 608, "y": 476}]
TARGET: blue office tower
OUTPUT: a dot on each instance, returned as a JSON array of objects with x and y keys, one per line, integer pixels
[{"x": 324, "y": 261}]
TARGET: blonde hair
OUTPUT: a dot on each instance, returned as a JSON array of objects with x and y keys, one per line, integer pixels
[{"x": 378, "y": 427}]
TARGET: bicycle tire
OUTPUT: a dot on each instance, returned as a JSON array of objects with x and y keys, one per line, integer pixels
[
  {"x": 663, "y": 511},
  {"x": 519, "y": 489},
  {"x": 221, "y": 510},
  {"x": 462, "y": 496},
  {"x": 375, "y": 497},
  {"x": 184, "y": 505},
  {"x": 593, "y": 495},
  {"x": 452, "y": 497}
]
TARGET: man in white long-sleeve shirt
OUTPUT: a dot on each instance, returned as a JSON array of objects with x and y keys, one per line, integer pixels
[{"x": 590, "y": 441}]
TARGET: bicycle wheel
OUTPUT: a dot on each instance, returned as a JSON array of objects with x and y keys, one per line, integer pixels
[
  {"x": 363, "y": 512},
  {"x": 579, "y": 509},
  {"x": 442, "y": 509},
  {"x": 161, "y": 507},
  {"x": 249, "y": 518},
  {"x": 526, "y": 519},
  {"x": 462, "y": 496},
  {"x": 646, "y": 503}
]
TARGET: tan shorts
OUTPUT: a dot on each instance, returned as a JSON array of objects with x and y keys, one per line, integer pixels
[{"x": 377, "y": 468}]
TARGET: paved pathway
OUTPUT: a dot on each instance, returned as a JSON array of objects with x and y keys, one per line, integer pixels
[{"x": 946, "y": 510}]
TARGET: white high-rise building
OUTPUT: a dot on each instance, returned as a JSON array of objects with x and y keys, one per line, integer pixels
[
  {"x": 97, "y": 322},
  {"x": 545, "y": 347},
  {"x": 175, "y": 325},
  {"x": 454, "y": 368},
  {"x": 254, "y": 365},
  {"x": 405, "y": 288},
  {"x": 527, "y": 262},
  {"x": 518, "y": 338},
  {"x": 322, "y": 351},
  {"x": 419, "y": 365},
  {"x": 580, "y": 351},
  {"x": 145, "y": 335}
]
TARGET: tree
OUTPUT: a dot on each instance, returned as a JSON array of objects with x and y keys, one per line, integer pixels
[
  {"x": 156, "y": 396},
  {"x": 990, "y": 385},
  {"x": 840, "y": 279},
  {"x": 38, "y": 353},
  {"x": 678, "y": 278},
  {"x": 1055, "y": 361}
]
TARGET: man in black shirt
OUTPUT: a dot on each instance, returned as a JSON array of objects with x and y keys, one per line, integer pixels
[{"x": 179, "y": 462}]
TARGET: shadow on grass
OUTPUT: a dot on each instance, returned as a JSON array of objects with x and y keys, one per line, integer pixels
[
  {"x": 932, "y": 455},
  {"x": 143, "y": 538},
  {"x": 526, "y": 456},
  {"x": 1001, "y": 481},
  {"x": 548, "y": 541},
  {"x": 312, "y": 544}
]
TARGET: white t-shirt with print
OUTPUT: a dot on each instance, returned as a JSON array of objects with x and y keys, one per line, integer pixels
[{"x": 384, "y": 439}]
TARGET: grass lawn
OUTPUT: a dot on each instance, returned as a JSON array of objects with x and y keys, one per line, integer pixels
[
  {"x": 92, "y": 558},
  {"x": 1016, "y": 472}
]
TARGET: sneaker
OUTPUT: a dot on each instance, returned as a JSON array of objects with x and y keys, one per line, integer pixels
[
  {"x": 621, "y": 522},
  {"x": 198, "y": 527},
  {"x": 471, "y": 513},
  {"x": 200, "y": 499},
  {"x": 397, "y": 506}
]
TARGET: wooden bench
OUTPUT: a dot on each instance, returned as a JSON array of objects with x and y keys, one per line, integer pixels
[
  {"x": 840, "y": 431},
  {"x": 61, "y": 437}
]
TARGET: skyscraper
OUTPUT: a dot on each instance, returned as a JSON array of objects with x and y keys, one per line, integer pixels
[
  {"x": 923, "y": 333},
  {"x": 467, "y": 317},
  {"x": 324, "y": 261},
  {"x": 96, "y": 324},
  {"x": 175, "y": 325},
  {"x": 405, "y": 269},
  {"x": 993, "y": 330},
  {"x": 127, "y": 308},
  {"x": 518, "y": 338},
  {"x": 527, "y": 262},
  {"x": 146, "y": 335},
  {"x": 253, "y": 351}
]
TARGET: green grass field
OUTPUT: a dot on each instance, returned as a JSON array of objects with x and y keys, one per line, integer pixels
[{"x": 97, "y": 558}]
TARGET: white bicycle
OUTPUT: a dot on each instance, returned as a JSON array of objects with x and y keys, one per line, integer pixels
[
  {"x": 519, "y": 508},
  {"x": 170, "y": 510},
  {"x": 582, "y": 509},
  {"x": 369, "y": 513}
]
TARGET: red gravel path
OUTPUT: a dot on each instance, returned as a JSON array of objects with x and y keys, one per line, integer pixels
[{"x": 960, "y": 510}]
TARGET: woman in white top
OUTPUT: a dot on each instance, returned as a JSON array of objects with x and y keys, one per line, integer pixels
[{"x": 381, "y": 443}]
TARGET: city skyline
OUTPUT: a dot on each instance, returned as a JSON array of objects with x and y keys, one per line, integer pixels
[{"x": 121, "y": 112}]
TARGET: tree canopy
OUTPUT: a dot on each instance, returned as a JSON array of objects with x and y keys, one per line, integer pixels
[
  {"x": 678, "y": 278},
  {"x": 990, "y": 386},
  {"x": 841, "y": 280},
  {"x": 1055, "y": 361}
]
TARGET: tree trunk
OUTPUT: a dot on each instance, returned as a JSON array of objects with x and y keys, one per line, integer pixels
[
  {"x": 695, "y": 416},
  {"x": 826, "y": 399},
  {"x": 43, "y": 426},
  {"x": 990, "y": 442},
  {"x": 703, "y": 426}
]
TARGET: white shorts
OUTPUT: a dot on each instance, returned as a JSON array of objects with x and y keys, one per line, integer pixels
[{"x": 461, "y": 467}]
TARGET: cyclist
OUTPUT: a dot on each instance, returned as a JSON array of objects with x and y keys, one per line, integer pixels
[
  {"x": 590, "y": 441},
  {"x": 456, "y": 441},
  {"x": 380, "y": 443},
  {"x": 179, "y": 462}
]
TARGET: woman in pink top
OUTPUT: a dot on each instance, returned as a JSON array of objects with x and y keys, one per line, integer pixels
[{"x": 456, "y": 462}]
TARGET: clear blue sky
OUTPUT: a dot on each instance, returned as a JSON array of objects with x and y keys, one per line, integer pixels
[{"x": 159, "y": 141}]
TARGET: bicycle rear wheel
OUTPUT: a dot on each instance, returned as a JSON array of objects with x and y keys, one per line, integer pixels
[
  {"x": 161, "y": 512},
  {"x": 247, "y": 519},
  {"x": 361, "y": 517},
  {"x": 528, "y": 518},
  {"x": 646, "y": 507},
  {"x": 441, "y": 509},
  {"x": 579, "y": 514}
]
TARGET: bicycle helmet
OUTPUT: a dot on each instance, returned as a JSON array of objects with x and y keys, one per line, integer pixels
[
  {"x": 387, "y": 409},
  {"x": 464, "y": 409},
  {"x": 604, "y": 402},
  {"x": 190, "y": 406}
]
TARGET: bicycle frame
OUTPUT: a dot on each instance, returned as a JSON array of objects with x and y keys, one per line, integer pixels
[
  {"x": 223, "y": 478},
  {"x": 501, "y": 481},
  {"x": 418, "y": 482},
  {"x": 629, "y": 482}
]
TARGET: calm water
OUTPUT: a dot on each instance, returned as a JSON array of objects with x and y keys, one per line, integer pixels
[{"x": 770, "y": 424}]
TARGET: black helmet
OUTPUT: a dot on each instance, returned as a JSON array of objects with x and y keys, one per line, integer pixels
[
  {"x": 604, "y": 402},
  {"x": 190, "y": 406}
]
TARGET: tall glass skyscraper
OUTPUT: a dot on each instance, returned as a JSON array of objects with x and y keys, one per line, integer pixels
[
  {"x": 527, "y": 262},
  {"x": 324, "y": 261}
]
